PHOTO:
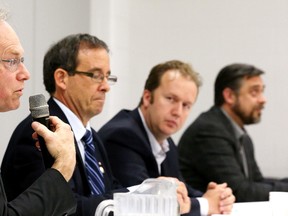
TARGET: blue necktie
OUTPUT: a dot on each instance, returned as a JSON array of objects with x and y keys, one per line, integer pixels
[{"x": 95, "y": 177}]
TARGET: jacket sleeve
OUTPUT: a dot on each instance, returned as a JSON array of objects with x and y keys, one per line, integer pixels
[
  {"x": 208, "y": 153},
  {"x": 195, "y": 208},
  {"x": 48, "y": 195}
]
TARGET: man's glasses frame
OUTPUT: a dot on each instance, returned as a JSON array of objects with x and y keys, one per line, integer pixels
[
  {"x": 13, "y": 63},
  {"x": 97, "y": 76}
]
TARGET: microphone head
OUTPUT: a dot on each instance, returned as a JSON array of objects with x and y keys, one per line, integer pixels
[{"x": 38, "y": 106}]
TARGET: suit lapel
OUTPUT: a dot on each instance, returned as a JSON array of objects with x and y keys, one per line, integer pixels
[
  {"x": 228, "y": 127},
  {"x": 144, "y": 137},
  {"x": 55, "y": 110}
]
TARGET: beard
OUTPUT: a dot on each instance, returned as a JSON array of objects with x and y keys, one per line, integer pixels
[{"x": 247, "y": 118}]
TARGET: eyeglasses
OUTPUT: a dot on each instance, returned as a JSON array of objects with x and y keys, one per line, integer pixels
[
  {"x": 97, "y": 76},
  {"x": 12, "y": 64}
]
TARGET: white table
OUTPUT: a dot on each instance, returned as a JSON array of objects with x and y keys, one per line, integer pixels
[{"x": 251, "y": 209}]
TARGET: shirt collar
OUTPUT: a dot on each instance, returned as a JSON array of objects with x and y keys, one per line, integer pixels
[
  {"x": 238, "y": 130},
  {"x": 159, "y": 150},
  {"x": 75, "y": 123}
]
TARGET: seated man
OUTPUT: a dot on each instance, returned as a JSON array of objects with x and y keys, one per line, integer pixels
[
  {"x": 49, "y": 193},
  {"x": 77, "y": 76},
  {"x": 216, "y": 146},
  {"x": 138, "y": 142}
]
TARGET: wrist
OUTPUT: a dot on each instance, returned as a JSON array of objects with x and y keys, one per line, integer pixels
[{"x": 65, "y": 165}]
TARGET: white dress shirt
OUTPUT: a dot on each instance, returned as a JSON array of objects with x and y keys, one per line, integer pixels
[
  {"x": 76, "y": 126},
  {"x": 159, "y": 151}
]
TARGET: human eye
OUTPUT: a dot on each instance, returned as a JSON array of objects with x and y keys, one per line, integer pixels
[
  {"x": 98, "y": 76},
  {"x": 255, "y": 92},
  {"x": 187, "y": 106},
  {"x": 13, "y": 62},
  {"x": 10, "y": 62},
  {"x": 170, "y": 99}
]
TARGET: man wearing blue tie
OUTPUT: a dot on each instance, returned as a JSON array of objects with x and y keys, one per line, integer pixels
[
  {"x": 94, "y": 175},
  {"x": 77, "y": 76}
]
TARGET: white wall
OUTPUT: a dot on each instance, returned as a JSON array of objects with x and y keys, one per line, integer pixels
[
  {"x": 207, "y": 33},
  {"x": 38, "y": 25}
]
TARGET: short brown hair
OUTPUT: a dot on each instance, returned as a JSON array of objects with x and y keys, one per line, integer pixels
[{"x": 156, "y": 73}]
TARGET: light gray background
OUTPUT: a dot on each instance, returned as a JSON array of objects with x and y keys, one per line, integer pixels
[{"x": 141, "y": 33}]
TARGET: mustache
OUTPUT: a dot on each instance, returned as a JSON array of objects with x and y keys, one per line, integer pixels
[{"x": 261, "y": 106}]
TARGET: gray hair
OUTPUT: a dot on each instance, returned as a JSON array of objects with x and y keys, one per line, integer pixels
[{"x": 3, "y": 14}]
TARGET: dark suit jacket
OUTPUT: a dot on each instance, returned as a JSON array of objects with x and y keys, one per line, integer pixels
[
  {"x": 23, "y": 163},
  {"x": 209, "y": 151},
  {"x": 130, "y": 153},
  {"x": 49, "y": 195}
]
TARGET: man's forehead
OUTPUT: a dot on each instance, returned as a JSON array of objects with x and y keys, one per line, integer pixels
[
  {"x": 15, "y": 50},
  {"x": 171, "y": 74},
  {"x": 9, "y": 41},
  {"x": 252, "y": 82},
  {"x": 174, "y": 74}
]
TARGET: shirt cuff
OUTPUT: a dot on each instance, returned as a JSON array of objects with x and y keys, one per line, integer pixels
[
  {"x": 132, "y": 188},
  {"x": 204, "y": 206}
]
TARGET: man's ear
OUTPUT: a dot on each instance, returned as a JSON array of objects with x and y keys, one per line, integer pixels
[
  {"x": 229, "y": 96},
  {"x": 146, "y": 97},
  {"x": 61, "y": 78}
]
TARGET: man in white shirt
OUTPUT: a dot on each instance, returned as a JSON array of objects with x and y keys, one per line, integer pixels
[
  {"x": 77, "y": 76},
  {"x": 138, "y": 142}
]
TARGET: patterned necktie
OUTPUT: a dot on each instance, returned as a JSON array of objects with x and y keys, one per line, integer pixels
[{"x": 95, "y": 177}]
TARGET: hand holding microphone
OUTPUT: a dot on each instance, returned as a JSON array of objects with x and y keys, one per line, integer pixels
[
  {"x": 57, "y": 146},
  {"x": 40, "y": 112}
]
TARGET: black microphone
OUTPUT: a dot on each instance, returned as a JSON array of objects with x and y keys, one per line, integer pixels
[{"x": 40, "y": 112}]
